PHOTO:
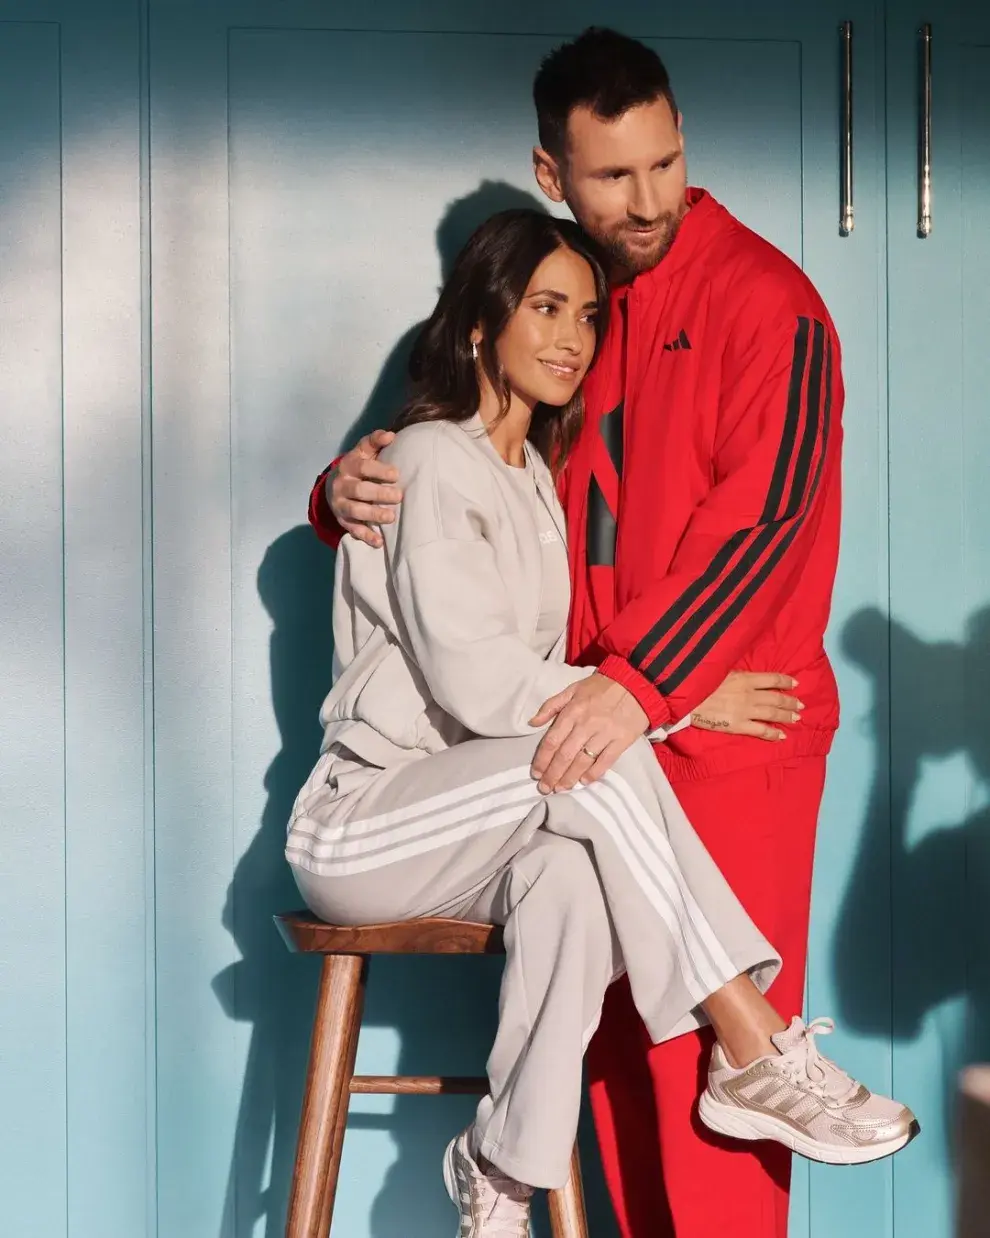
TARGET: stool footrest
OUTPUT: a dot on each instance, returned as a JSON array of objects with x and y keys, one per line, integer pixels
[{"x": 419, "y": 1085}]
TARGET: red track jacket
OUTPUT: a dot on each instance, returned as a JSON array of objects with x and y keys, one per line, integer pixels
[{"x": 703, "y": 495}]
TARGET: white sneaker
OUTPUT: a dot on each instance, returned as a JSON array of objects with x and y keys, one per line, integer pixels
[
  {"x": 804, "y": 1101},
  {"x": 491, "y": 1205}
]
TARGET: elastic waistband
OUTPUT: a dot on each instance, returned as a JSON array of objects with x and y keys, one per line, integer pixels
[{"x": 745, "y": 754}]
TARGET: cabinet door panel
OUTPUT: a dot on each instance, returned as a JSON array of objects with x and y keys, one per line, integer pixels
[
  {"x": 940, "y": 590},
  {"x": 309, "y": 186}
]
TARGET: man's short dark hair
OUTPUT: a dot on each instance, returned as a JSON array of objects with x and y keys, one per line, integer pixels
[{"x": 602, "y": 70}]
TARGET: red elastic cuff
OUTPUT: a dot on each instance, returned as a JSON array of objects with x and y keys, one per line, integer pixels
[
  {"x": 320, "y": 516},
  {"x": 654, "y": 705}
]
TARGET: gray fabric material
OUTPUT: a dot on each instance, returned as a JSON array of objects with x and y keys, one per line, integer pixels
[
  {"x": 587, "y": 883},
  {"x": 555, "y": 577},
  {"x": 435, "y": 639}
]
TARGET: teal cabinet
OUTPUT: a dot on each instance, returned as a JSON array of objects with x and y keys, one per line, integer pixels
[
  {"x": 76, "y": 827},
  {"x": 218, "y": 226},
  {"x": 934, "y": 727}
]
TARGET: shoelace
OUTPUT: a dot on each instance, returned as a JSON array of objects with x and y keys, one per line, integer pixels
[
  {"x": 804, "y": 1064},
  {"x": 499, "y": 1199}
]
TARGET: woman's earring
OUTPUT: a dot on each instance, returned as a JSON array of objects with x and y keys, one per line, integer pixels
[{"x": 474, "y": 349}]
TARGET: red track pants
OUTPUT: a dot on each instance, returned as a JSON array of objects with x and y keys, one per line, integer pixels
[{"x": 667, "y": 1175}]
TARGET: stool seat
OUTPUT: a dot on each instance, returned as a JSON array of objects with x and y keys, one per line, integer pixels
[
  {"x": 305, "y": 934},
  {"x": 331, "y": 1081}
]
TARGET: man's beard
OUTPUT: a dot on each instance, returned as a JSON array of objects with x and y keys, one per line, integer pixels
[{"x": 632, "y": 259}]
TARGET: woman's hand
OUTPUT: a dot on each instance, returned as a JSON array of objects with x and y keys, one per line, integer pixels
[
  {"x": 594, "y": 721},
  {"x": 750, "y": 703}
]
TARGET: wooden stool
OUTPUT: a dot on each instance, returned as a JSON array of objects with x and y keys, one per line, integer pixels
[{"x": 330, "y": 1080}]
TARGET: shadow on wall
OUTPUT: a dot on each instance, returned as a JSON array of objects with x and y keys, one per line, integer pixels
[
  {"x": 267, "y": 987},
  {"x": 941, "y": 883},
  {"x": 459, "y": 220},
  {"x": 443, "y": 1010}
]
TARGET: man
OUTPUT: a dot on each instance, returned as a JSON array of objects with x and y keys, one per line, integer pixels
[{"x": 702, "y": 503}]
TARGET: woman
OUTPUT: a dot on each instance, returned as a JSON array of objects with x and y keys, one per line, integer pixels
[{"x": 422, "y": 802}]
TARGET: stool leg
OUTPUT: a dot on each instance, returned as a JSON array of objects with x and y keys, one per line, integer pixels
[
  {"x": 340, "y": 1119},
  {"x": 324, "y": 1110},
  {"x": 567, "y": 1215}
]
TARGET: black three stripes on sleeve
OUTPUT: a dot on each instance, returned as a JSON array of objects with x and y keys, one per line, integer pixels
[
  {"x": 602, "y": 528},
  {"x": 747, "y": 558}
]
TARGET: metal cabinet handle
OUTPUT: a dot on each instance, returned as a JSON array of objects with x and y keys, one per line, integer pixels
[
  {"x": 925, "y": 136},
  {"x": 846, "y": 220}
]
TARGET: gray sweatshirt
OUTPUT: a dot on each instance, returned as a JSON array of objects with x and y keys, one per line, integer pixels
[{"x": 436, "y": 639}]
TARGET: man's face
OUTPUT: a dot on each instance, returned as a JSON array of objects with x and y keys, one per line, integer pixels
[{"x": 625, "y": 180}]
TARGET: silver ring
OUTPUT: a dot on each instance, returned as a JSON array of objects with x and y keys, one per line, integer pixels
[{"x": 588, "y": 753}]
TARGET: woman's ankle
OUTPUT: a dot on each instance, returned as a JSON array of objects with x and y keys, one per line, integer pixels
[
  {"x": 744, "y": 1022},
  {"x": 743, "y": 1052}
]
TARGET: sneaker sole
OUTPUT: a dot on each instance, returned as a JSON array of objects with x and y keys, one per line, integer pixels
[
  {"x": 745, "y": 1124},
  {"x": 450, "y": 1182},
  {"x": 450, "y": 1175}
]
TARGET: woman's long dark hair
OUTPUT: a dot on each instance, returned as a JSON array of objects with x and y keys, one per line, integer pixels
[{"x": 486, "y": 286}]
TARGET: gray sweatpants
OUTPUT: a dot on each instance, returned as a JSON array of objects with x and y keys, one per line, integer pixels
[{"x": 587, "y": 883}]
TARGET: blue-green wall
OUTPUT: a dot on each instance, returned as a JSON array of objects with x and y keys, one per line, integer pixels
[{"x": 218, "y": 224}]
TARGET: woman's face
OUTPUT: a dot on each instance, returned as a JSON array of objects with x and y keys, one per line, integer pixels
[{"x": 548, "y": 343}]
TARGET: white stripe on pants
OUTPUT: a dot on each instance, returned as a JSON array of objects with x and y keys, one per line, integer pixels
[{"x": 586, "y": 883}]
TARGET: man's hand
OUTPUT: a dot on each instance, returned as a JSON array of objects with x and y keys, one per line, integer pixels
[
  {"x": 595, "y": 721},
  {"x": 597, "y": 715},
  {"x": 749, "y": 703},
  {"x": 361, "y": 492}
]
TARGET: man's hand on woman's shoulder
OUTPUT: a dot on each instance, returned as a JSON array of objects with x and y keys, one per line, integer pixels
[{"x": 362, "y": 492}]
